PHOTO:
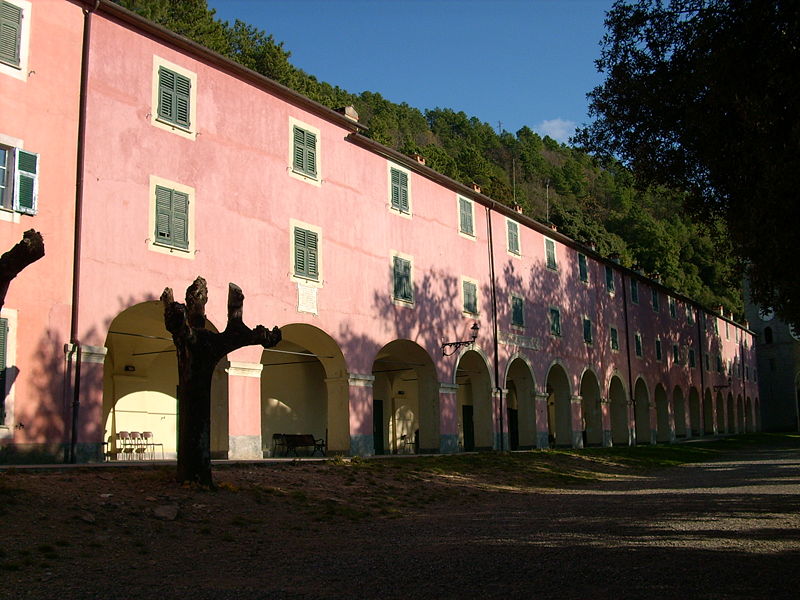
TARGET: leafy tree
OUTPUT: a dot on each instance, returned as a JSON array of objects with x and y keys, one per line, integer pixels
[{"x": 702, "y": 96}]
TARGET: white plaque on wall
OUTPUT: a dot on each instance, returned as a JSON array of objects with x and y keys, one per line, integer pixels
[{"x": 306, "y": 298}]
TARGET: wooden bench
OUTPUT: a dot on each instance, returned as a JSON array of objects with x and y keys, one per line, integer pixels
[{"x": 290, "y": 442}]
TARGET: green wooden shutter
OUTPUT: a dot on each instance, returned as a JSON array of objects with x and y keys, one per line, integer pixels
[
  {"x": 163, "y": 231},
  {"x": 172, "y": 217},
  {"x": 402, "y": 279},
  {"x": 587, "y": 331},
  {"x": 399, "y": 191},
  {"x": 180, "y": 219},
  {"x": 513, "y": 237},
  {"x": 306, "y": 258},
  {"x": 10, "y": 31},
  {"x": 174, "y": 97},
  {"x": 27, "y": 182},
  {"x": 183, "y": 89},
  {"x": 470, "y": 297},
  {"x": 304, "y": 152},
  {"x": 517, "y": 311},
  {"x": 6, "y": 186},
  {"x": 166, "y": 94},
  {"x": 465, "y": 214},
  {"x": 311, "y": 153},
  {"x": 3, "y": 365}
]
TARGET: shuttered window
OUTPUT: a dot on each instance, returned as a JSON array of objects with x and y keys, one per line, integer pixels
[
  {"x": 172, "y": 218},
  {"x": 399, "y": 186},
  {"x": 465, "y": 216},
  {"x": 3, "y": 365},
  {"x": 634, "y": 291},
  {"x": 27, "y": 182},
  {"x": 513, "y": 237},
  {"x": 609, "y": 279},
  {"x": 6, "y": 186},
  {"x": 587, "y": 331},
  {"x": 402, "y": 280},
  {"x": 550, "y": 254},
  {"x": 470, "y": 297},
  {"x": 658, "y": 349},
  {"x": 304, "y": 152},
  {"x": 637, "y": 339},
  {"x": 174, "y": 97},
  {"x": 614, "y": 338},
  {"x": 517, "y": 311},
  {"x": 555, "y": 321},
  {"x": 10, "y": 33},
  {"x": 583, "y": 268},
  {"x": 692, "y": 362},
  {"x": 306, "y": 254}
]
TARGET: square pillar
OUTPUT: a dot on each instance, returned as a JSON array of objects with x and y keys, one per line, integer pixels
[
  {"x": 542, "y": 428},
  {"x": 605, "y": 420},
  {"x": 578, "y": 425},
  {"x": 350, "y": 415},
  {"x": 89, "y": 381},
  {"x": 244, "y": 410},
  {"x": 448, "y": 418},
  {"x": 500, "y": 425}
]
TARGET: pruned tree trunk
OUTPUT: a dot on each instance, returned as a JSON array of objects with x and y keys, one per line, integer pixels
[
  {"x": 27, "y": 251},
  {"x": 199, "y": 350}
]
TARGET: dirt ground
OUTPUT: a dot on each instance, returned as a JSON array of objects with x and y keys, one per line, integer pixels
[{"x": 538, "y": 524}]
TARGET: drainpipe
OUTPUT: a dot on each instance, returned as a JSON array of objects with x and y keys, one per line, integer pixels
[
  {"x": 76, "y": 256},
  {"x": 700, "y": 346},
  {"x": 494, "y": 321},
  {"x": 628, "y": 350}
]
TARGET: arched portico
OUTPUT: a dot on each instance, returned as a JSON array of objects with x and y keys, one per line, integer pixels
[
  {"x": 591, "y": 410},
  {"x": 474, "y": 400},
  {"x": 641, "y": 400},
  {"x": 679, "y": 408},
  {"x": 559, "y": 407},
  {"x": 620, "y": 415},
  {"x": 140, "y": 383},
  {"x": 302, "y": 390},
  {"x": 405, "y": 400},
  {"x": 521, "y": 403},
  {"x": 664, "y": 432}
]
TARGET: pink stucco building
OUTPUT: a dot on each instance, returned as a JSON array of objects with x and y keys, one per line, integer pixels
[{"x": 160, "y": 161}]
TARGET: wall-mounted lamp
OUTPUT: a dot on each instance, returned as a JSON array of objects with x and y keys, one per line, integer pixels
[{"x": 456, "y": 345}]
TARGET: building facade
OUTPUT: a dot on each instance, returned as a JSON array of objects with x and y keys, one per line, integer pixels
[{"x": 174, "y": 162}]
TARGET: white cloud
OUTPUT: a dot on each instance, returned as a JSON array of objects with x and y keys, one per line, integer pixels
[{"x": 558, "y": 129}]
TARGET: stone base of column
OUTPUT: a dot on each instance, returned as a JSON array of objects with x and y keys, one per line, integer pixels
[
  {"x": 542, "y": 440},
  {"x": 244, "y": 447},
  {"x": 448, "y": 443},
  {"x": 360, "y": 445}
]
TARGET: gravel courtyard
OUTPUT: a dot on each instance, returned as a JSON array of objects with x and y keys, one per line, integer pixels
[{"x": 533, "y": 525}]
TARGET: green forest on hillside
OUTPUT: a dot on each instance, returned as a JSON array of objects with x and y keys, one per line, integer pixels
[{"x": 552, "y": 182}]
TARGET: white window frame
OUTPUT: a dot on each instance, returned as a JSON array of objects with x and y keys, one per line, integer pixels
[
  {"x": 300, "y": 176},
  {"x": 511, "y": 223},
  {"x": 464, "y": 310},
  {"x": 589, "y": 342},
  {"x": 152, "y": 243},
  {"x": 399, "y": 301},
  {"x": 511, "y": 320},
  {"x": 21, "y": 71},
  {"x": 9, "y": 213},
  {"x": 586, "y": 264},
  {"x": 611, "y": 330},
  {"x": 389, "y": 167},
  {"x": 189, "y": 133},
  {"x": 555, "y": 255},
  {"x": 294, "y": 223},
  {"x": 464, "y": 234},
  {"x": 638, "y": 345},
  {"x": 550, "y": 310}
]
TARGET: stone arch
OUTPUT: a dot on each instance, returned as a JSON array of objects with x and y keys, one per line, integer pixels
[
  {"x": 304, "y": 388},
  {"x": 680, "y": 412},
  {"x": 620, "y": 414},
  {"x": 405, "y": 399},
  {"x": 521, "y": 404},
  {"x": 140, "y": 379},
  {"x": 559, "y": 406},
  {"x": 663, "y": 426},
  {"x": 474, "y": 401},
  {"x": 695, "y": 412},
  {"x": 641, "y": 402},
  {"x": 591, "y": 409}
]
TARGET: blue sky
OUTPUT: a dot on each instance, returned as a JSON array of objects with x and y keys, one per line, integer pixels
[{"x": 508, "y": 62}]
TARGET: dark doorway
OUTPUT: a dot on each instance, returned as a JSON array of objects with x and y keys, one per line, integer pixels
[
  {"x": 513, "y": 428},
  {"x": 377, "y": 426},
  {"x": 469, "y": 428}
]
